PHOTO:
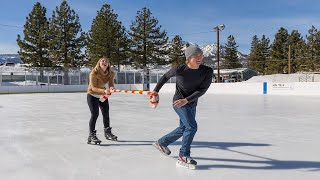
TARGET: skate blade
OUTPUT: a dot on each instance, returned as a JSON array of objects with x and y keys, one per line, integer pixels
[
  {"x": 154, "y": 145},
  {"x": 185, "y": 165},
  {"x": 94, "y": 143}
]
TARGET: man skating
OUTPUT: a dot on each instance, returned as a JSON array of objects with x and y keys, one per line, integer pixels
[{"x": 192, "y": 81}]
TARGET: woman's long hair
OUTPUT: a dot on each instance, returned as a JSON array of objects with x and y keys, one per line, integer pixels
[{"x": 98, "y": 70}]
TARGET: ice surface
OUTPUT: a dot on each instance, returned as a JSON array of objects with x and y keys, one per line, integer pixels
[{"x": 43, "y": 137}]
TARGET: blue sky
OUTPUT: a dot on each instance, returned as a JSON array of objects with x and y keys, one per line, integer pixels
[{"x": 193, "y": 20}]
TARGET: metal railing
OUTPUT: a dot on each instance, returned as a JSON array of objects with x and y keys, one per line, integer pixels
[
  {"x": 306, "y": 78},
  {"x": 24, "y": 77}
]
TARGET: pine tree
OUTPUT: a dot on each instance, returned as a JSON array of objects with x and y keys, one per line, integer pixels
[
  {"x": 121, "y": 56},
  {"x": 107, "y": 37},
  {"x": 265, "y": 53},
  {"x": 313, "y": 55},
  {"x": 34, "y": 47},
  {"x": 255, "y": 55},
  {"x": 259, "y": 54},
  {"x": 300, "y": 57},
  {"x": 176, "y": 54},
  {"x": 317, "y": 52},
  {"x": 147, "y": 40},
  {"x": 279, "y": 53},
  {"x": 231, "y": 59},
  {"x": 66, "y": 39},
  {"x": 295, "y": 41}
]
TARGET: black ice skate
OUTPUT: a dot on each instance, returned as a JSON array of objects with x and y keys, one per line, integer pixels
[
  {"x": 93, "y": 138},
  {"x": 108, "y": 134},
  {"x": 186, "y": 162}
]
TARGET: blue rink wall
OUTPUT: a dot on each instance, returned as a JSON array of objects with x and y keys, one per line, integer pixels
[{"x": 297, "y": 88}]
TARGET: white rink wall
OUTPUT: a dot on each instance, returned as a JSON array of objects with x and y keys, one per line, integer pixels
[
  {"x": 41, "y": 89},
  {"x": 58, "y": 88},
  {"x": 294, "y": 88}
]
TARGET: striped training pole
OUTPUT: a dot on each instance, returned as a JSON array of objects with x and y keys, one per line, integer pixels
[
  {"x": 133, "y": 91},
  {"x": 154, "y": 98}
]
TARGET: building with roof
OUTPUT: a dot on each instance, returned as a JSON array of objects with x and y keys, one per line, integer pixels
[{"x": 235, "y": 75}]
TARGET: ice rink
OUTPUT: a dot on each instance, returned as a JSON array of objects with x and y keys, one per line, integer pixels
[{"x": 43, "y": 137}]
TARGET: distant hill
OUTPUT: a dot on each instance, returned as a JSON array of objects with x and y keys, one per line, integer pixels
[
  {"x": 10, "y": 58},
  {"x": 209, "y": 53}
]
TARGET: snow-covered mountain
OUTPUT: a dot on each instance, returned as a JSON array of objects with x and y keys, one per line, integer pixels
[
  {"x": 210, "y": 51},
  {"x": 4, "y": 58}
]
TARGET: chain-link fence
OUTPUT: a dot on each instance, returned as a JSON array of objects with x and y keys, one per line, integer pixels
[{"x": 14, "y": 76}]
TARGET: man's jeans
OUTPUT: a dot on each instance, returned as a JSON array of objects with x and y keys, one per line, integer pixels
[{"x": 188, "y": 128}]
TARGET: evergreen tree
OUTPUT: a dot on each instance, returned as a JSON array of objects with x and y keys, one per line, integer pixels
[
  {"x": 312, "y": 61},
  {"x": 317, "y": 52},
  {"x": 295, "y": 41},
  {"x": 300, "y": 57},
  {"x": 147, "y": 40},
  {"x": 231, "y": 59},
  {"x": 34, "y": 47},
  {"x": 279, "y": 53},
  {"x": 122, "y": 54},
  {"x": 176, "y": 54},
  {"x": 255, "y": 55},
  {"x": 265, "y": 53},
  {"x": 66, "y": 39},
  {"x": 107, "y": 37}
]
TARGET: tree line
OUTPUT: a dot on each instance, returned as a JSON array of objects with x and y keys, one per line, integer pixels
[
  {"x": 288, "y": 53},
  {"x": 59, "y": 41}
]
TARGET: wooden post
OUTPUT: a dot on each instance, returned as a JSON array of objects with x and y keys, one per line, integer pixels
[{"x": 289, "y": 60}]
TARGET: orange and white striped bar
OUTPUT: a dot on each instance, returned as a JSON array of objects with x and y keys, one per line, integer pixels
[{"x": 132, "y": 91}]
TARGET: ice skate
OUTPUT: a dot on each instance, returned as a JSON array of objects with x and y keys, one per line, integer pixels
[
  {"x": 164, "y": 150},
  {"x": 108, "y": 134},
  {"x": 186, "y": 162},
  {"x": 93, "y": 138}
]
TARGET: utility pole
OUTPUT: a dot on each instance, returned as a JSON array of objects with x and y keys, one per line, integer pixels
[
  {"x": 218, "y": 57},
  {"x": 218, "y": 29},
  {"x": 289, "y": 60}
]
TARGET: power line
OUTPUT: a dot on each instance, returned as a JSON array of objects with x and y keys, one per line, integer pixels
[
  {"x": 191, "y": 33},
  {"x": 299, "y": 59},
  {"x": 235, "y": 28},
  {"x": 6, "y": 25}
]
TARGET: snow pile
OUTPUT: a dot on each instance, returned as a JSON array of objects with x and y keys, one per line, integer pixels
[{"x": 285, "y": 78}]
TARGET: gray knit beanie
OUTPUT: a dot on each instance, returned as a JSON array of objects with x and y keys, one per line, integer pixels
[{"x": 191, "y": 50}]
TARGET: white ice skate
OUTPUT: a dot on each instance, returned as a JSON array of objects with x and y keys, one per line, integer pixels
[{"x": 186, "y": 162}]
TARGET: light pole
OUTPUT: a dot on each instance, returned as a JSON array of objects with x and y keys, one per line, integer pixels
[{"x": 218, "y": 29}]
